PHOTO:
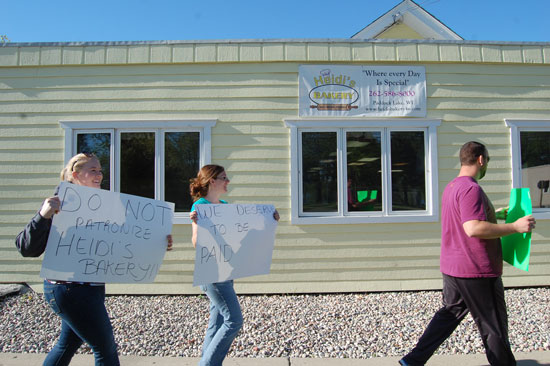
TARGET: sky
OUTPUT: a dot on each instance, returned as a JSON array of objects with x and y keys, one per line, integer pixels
[{"x": 191, "y": 20}]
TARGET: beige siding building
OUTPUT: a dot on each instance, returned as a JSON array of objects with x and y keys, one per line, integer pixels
[{"x": 238, "y": 101}]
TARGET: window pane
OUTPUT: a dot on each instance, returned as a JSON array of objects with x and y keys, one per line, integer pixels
[
  {"x": 319, "y": 163},
  {"x": 364, "y": 155},
  {"x": 408, "y": 171},
  {"x": 181, "y": 164},
  {"x": 535, "y": 166},
  {"x": 100, "y": 145},
  {"x": 137, "y": 164}
]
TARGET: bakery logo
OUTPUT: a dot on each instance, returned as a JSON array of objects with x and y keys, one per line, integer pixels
[{"x": 333, "y": 92}]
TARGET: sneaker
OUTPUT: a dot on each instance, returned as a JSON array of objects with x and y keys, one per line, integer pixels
[{"x": 402, "y": 362}]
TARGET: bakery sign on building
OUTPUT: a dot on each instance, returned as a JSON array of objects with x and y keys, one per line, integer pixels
[{"x": 362, "y": 91}]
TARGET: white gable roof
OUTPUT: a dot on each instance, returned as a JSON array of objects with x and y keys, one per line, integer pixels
[{"x": 412, "y": 15}]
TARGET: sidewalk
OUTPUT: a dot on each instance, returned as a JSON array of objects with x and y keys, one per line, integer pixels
[{"x": 524, "y": 359}]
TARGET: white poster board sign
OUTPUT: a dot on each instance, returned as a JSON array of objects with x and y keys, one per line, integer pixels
[
  {"x": 362, "y": 91},
  {"x": 106, "y": 237},
  {"x": 233, "y": 241}
]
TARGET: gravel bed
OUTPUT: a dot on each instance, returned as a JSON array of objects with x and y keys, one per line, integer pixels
[{"x": 329, "y": 325}]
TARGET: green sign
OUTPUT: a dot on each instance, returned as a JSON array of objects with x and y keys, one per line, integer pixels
[{"x": 516, "y": 248}]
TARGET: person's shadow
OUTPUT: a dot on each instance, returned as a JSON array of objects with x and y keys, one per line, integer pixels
[
  {"x": 215, "y": 251},
  {"x": 525, "y": 363}
]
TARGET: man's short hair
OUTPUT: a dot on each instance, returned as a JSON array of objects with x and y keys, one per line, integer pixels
[{"x": 470, "y": 151}]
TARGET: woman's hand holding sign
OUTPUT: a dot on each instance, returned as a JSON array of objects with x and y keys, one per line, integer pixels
[
  {"x": 170, "y": 242},
  {"x": 50, "y": 207},
  {"x": 193, "y": 216}
]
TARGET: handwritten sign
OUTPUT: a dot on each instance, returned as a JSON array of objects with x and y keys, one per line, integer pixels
[
  {"x": 106, "y": 237},
  {"x": 516, "y": 248},
  {"x": 371, "y": 91},
  {"x": 233, "y": 241}
]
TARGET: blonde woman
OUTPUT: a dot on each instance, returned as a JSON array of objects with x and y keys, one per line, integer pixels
[{"x": 80, "y": 305}]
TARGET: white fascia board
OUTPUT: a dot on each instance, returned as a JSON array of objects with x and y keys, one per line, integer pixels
[
  {"x": 428, "y": 26},
  {"x": 413, "y": 16}
]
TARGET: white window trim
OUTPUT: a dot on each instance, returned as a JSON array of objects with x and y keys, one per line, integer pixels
[
  {"x": 432, "y": 197},
  {"x": 516, "y": 126},
  {"x": 199, "y": 125},
  {"x": 300, "y": 182}
]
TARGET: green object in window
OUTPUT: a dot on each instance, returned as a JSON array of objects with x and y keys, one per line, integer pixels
[{"x": 366, "y": 195}]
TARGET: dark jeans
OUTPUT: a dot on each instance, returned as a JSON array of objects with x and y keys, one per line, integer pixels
[
  {"x": 83, "y": 319},
  {"x": 484, "y": 299}
]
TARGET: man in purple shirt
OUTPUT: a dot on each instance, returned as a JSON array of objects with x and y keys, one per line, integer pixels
[{"x": 471, "y": 263}]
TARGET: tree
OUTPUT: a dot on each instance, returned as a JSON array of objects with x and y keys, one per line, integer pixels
[{"x": 4, "y": 38}]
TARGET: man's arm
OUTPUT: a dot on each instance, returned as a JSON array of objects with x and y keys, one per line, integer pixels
[{"x": 487, "y": 230}]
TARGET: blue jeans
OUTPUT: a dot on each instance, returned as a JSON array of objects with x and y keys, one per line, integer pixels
[
  {"x": 83, "y": 319},
  {"x": 225, "y": 322}
]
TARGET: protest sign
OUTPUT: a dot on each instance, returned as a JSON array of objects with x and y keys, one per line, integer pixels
[
  {"x": 516, "y": 248},
  {"x": 106, "y": 237},
  {"x": 233, "y": 241}
]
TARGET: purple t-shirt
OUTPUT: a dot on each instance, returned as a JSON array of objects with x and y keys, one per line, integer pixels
[{"x": 461, "y": 256}]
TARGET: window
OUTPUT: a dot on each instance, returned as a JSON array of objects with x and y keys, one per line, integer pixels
[
  {"x": 530, "y": 140},
  {"x": 153, "y": 159},
  {"x": 363, "y": 171}
]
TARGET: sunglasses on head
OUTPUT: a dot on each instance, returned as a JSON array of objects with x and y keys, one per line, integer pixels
[{"x": 85, "y": 153}]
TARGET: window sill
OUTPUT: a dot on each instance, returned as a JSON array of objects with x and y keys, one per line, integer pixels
[
  {"x": 541, "y": 215},
  {"x": 181, "y": 218},
  {"x": 345, "y": 220}
]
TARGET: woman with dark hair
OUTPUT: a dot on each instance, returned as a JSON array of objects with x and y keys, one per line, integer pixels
[{"x": 225, "y": 312}]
